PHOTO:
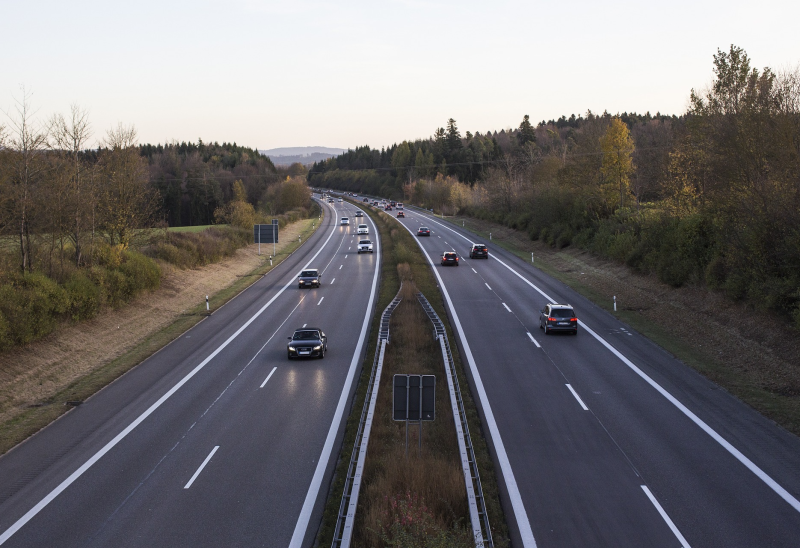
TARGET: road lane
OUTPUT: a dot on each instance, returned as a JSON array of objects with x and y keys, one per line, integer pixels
[
  {"x": 707, "y": 494},
  {"x": 270, "y": 440}
]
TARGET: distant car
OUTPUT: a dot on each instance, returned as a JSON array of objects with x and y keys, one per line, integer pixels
[
  {"x": 330, "y": 200},
  {"x": 399, "y": 205},
  {"x": 345, "y": 221},
  {"x": 449, "y": 258},
  {"x": 365, "y": 200},
  {"x": 424, "y": 231},
  {"x": 359, "y": 214},
  {"x": 308, "y": 342},
  {"x": 401, "y": 214},
  {"x": 558, "y": 317},
  {"x": 309, "y": 278},
  {"x": 363, "y": 229},
  {"x": 388, "y": 208},
  {"x": 365, "y": 246},
  {"x": 479, "y": 251},
  {"x": 341, "y": 200}
]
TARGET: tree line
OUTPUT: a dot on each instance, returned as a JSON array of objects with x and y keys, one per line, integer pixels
[{"x": 710, "y": 197}]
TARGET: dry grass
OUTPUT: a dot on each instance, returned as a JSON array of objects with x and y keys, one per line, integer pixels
[
  {"x": 433, "y": 477},
  {"x": 754, "y": 355},
  {"x": 33, "y": 377}
]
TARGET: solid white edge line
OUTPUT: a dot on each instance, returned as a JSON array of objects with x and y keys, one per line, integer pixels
[
  {"x": 320, "y": 301},
  {"x": 750, "y": 465},
  {"x": 577, "y": 397},
  {"x": 524, "y": 525},
  {"x": 268, "y": 376},
  {"x": 304, "y": 518},
  {"x": 534, "y": 340},
  {"x": 665, "y": 517},
  {"x": 504, "y": 304},
  {"x": 197, "y": 473},
  {"x": 8, "y": 533}
]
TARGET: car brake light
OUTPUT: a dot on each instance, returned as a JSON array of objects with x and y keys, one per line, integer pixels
[
  {"x": 573, "y": 319},
  {"x": 551, "y": 319}
]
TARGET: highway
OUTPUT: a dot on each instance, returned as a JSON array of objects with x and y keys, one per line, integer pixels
[
  {"x": 218, "y": 439},
  {"x": 605, "y": 439}
]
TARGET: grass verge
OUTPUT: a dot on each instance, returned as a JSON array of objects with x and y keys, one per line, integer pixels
[
  {"x": 397, "y": 247},
  {"x": 33, "y": 419}
]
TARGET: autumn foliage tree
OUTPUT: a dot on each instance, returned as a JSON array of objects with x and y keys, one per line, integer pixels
[{"x": 617, "y": 165}]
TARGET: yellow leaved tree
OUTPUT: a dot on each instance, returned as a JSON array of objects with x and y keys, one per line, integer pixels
[{"x": 617, "y": 166}]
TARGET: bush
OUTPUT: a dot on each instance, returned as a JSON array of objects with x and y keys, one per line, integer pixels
[
  {"x": 85, "y": 297},
  {"x": 31, "y": 306}
]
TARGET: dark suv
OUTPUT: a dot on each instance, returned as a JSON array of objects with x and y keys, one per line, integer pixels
[
  {"x": 308, "y": 342},
  {"x": 558, "y": 317},
  {"x": 449, "y": 258},
  {"x": 479, "y": 251}
]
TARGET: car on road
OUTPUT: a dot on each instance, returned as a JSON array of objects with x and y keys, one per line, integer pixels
[
  {"x": 479, "y": 251},
  {"x": 365, "y": 200},
  {"x": 558, "y": 317},
  {"x": 307, "y": 342},
  {"x": 424, "y": 231},
  {"x": 449, "y": 258},
  {"x": 359, "y": 214},
  {"x": 362, "y": 229},
  {"x": 345, "y": 221},
  {"x": 341, "y": 200},
  {"x": 365, "y": 246},
  {"x": 401, "y": 214},
  {"x": 399, "y": 205},
  {"x": 387, "y": 208},
  {"x": 310, "y": 277},
  {"x": 330, "y": 200}
]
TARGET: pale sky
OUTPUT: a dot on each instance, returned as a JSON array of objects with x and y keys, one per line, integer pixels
[{"x": 341, "y": 74}]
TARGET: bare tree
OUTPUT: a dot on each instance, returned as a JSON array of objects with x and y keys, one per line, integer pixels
[
  {"x": 26, "y": 164},
  {"x": 70, "y": 138}
]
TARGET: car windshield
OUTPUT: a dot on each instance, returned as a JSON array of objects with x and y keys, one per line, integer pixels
[
  {"x": 562, "y": 313},
  {"x": 305, "y": 335},
  {"x": 423, "y": 229},
  {"x": 449, "y": 255},
  {"x": 480, "y": 248},
  {"x": 364, "y": 242},
  {"x": 308, "y": 273}
]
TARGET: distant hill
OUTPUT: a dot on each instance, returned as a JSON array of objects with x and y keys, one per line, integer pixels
[{"x": 305, "y": 155}]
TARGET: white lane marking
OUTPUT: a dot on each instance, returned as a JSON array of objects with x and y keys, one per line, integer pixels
[
  {"x": 303, "y": 520},
  {"x": 320, "y": 301},
  {"x": 305, "y": 324},
  {"x": 438, "y": 237},
  {"x": 534, "y": 340},
  {"x": 750, "y": 465},
  {"x": 333, "y": 280},
  {"x": 664, "y": 515},
  {"x": 340, "y": 267},
  {"x": 524, "y": 525},
  {"x": 475, "y": 271},
  {"x": 345, "y": 256},
  {"x": 577, "y": 397},
  {"x": 8, "y": 533},
  {"x": 268, "y": 376},
  {"x": 208, "y": 458},
  {"x": 504, "y": 304},
  {"x": 349, "y": 248},
  {"x": 487, "y": 285}
]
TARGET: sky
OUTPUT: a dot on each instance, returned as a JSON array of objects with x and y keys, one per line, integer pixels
[{"x": 271, "y": 74}]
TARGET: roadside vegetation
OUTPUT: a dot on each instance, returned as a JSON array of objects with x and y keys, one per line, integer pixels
[
  {"x": 395, "y": 508},
  {"x": 84, "y": 226},
  {"x": 710, "y": 198}
]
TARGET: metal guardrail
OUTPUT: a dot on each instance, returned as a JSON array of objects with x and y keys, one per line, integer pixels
[
  {"x": 343, "y": 533},
  {"x": 472, "y": 479}
]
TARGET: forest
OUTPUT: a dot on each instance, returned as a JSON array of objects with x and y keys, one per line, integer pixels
[
  {"x": 84, "y": 225},
  {"x": 708, "y": 197}
]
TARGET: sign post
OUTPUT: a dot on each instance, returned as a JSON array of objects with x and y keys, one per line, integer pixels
[
  {"x": 266, "y": 234},
  {"x": 414, "y": 400}
]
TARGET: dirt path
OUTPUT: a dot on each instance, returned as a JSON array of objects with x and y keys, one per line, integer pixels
[{"x": 32, "y": 375}]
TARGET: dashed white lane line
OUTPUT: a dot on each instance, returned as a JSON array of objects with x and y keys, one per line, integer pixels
[
  {"x": 270, "y": 374},
  {"x": 504, "y": 304},
  {"x": 345, "y": 256},
  {"x": 664, "y": 515},
  {"x": 487, "y": 285},
  {"x": 333, "y": 280},
  {"x": 340, "y": 266},
  {"x": 577, "y": 397},
  {"x": 532, "y": 339},
  {"x": 320, "y": 301},
  {"x": 305, "y": 324},
  {"x": 208, "y": 458},
  {"x": 475, "y": 271}
]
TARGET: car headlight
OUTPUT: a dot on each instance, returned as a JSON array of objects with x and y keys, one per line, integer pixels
[
  {"x": 292, "y": 348},
  {"x": 318, "y": 347}
]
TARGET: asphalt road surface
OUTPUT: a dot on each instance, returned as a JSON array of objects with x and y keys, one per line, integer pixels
[
  {"x": 218, "y": 439},
  {"x": 605, "y": 439}
]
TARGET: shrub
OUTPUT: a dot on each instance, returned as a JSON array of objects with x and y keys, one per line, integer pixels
[
  {"x": 85, "y": 297},
  {"x": 31, "y": 306}
]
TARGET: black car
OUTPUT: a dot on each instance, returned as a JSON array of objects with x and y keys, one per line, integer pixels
[
  {"x": 424, "y": 231},
  {"x": 479, "y": 251},
  {"x": 308, "y": 342},
  {"x": 449, "y": 258},
  {"x": 309, "y": 278},
  {"x": 558, "y": 317}
]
